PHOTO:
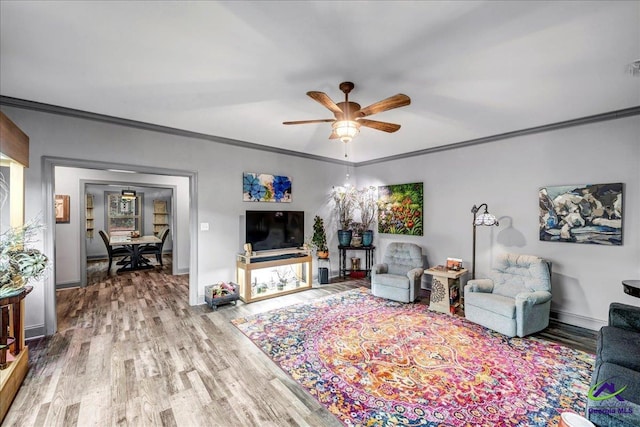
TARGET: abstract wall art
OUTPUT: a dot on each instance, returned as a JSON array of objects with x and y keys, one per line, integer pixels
[
  {"x": 400, "y": 209},
  {"x": 261, "y": 187},
  {"x": 585, "y": 213}
]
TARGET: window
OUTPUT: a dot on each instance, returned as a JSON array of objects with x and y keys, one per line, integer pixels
[{"x": 123, "y": 215}]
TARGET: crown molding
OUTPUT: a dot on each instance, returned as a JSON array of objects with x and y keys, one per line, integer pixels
[{"x": 64, "y": 111}]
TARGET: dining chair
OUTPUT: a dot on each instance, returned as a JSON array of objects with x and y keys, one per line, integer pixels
[
  {"x": 113, "y": 252},
  {"x": 156, "y": 248}
]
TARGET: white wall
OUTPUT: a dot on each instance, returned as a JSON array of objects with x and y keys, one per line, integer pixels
[
  {"x": 219, "y": 170},
  {"x": 507, "y": 175}
]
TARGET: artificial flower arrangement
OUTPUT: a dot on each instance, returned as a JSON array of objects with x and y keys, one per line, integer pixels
[
  {"x": 222, "y": 289},
  {"x": 20, "y": 264}
]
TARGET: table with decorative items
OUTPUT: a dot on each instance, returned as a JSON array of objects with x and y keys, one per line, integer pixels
[
  {"x": 446, "y": 292},
  {"x": 356, "y": 270}
]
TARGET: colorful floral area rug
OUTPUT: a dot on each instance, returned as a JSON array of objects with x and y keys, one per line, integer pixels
[{"x": 374, "y": 362}]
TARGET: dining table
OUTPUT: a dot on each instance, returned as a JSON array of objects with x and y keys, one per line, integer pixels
[{"x": 135, "y": 261}]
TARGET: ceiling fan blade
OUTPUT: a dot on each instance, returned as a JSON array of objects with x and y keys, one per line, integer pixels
[
  {"x": 333, "y": 135},
  {"x": 383, "y": 126},
  {"x": 395, "y": 101},
  {"x": 324, "y": 99},
  {"x": 302, "y": 122}
]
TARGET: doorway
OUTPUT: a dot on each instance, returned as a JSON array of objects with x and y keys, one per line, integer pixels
[{"x": 185, "y": 196}]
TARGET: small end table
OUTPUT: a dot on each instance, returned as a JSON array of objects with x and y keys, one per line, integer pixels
[
  {"x": 631, "y": 287},
  {"x": 446, "y": 293}
]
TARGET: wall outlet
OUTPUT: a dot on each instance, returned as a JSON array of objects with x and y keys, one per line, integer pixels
[{"x": 204, "y": 226}]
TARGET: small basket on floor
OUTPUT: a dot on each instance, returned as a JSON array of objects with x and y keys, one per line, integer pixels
[{"x": 213, "y": 298}]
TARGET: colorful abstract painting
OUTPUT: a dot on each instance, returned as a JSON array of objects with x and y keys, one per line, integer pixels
[
  {"x": 586, "y": 213},
  {"x": 400, "y": 209},
  {"x": 262, "y": 187}
]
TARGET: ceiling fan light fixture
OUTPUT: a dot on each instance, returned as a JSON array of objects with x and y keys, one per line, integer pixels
[{"x": 346, "y": 129}]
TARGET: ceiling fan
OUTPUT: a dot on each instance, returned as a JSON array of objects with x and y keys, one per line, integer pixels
[{"x": 349, "y": 116}]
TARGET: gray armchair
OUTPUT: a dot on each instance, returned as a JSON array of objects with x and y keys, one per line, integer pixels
[
  {"x": 515, "y": 300},
  {"x": 399, "y": 276}
]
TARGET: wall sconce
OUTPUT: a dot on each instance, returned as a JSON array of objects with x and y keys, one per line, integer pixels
[{"x": 484, "y": 218}]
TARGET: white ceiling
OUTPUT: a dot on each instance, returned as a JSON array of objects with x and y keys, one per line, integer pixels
[{"x": 238, "y": 69}]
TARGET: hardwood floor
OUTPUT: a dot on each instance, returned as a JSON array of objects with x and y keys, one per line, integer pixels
[{"x": 131, "y": 351}]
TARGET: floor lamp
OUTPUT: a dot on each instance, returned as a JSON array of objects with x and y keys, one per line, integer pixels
[{"x": 484, "y": 218}]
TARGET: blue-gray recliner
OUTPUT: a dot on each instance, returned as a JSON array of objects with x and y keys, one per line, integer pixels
[
  {"x": 515, "y": 299},
  {"x": 399, "y": 276}
]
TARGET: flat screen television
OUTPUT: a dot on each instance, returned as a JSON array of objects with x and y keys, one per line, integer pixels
[{"x": 267, "y": 230}]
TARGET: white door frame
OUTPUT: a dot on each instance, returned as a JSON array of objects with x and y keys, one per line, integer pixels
[{"x": 48, "y": 188}]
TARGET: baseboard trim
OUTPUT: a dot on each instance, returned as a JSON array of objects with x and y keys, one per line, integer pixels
[
  {"x": 33, "y": 332},
  {"x": 577, "y": 320},
  {"x": 68, "y": 285}
]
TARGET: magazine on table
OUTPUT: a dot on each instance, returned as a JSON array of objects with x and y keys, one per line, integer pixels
[{"x": 454, "y": 264}]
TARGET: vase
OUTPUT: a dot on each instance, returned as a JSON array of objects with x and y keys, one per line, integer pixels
[
  {"x": 356, "y": 241},
  {"x": 367, "y": 237},
  {"x": 344, "y": 237},
  {"x": 15, "y": 287},
  {"x": 322, "y": 254}
]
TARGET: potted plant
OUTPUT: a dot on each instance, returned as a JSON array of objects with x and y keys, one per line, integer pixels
[
  {"x": 319, "y": 238},
  {"x": 18, "y": 263},
  {"x": 366, "y": 199},
  {"x": 344, "y": 204}
]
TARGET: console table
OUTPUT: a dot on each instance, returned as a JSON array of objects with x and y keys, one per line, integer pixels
[
  {"x": 368, "y": 259},
  {"x": 273, "y": 273}
]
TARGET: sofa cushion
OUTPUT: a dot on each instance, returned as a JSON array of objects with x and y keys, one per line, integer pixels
[
  {"x": 402, "y": 257},
  {"x": 612, "y": 411},
  {"x": 514, "y": 273},
  {"x": 393, "y": 280},
  {"x": 498, "y": 304},
  {"x": 619, "y": 346}
]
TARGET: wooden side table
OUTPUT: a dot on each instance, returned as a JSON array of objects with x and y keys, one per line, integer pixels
[{"x": 446, "y": 293}]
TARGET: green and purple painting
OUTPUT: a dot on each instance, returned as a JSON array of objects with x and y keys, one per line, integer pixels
[
  {"x": 261, "y": 187},
  {"x": 400, "y": 209}
]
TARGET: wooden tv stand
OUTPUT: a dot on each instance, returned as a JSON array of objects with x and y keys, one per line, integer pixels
[{"x": 268, "y": 274}]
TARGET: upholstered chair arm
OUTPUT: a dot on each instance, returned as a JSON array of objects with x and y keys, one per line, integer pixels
[
  {"x": 415, "y": 282},
  {"x": 379, "y": 268},
  {"x": 479, "y": 285},
  {"x": 532, "y": 312},
  {"x": 415, "y": 275},
  {"x": 624, "y": 316},
  {"x": 533, "y": 298}
]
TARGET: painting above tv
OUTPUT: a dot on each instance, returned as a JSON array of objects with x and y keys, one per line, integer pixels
[{"x": 267, "y": 230}]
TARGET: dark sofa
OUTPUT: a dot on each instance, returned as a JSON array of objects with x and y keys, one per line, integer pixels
[{"x": 617, "y": 367}]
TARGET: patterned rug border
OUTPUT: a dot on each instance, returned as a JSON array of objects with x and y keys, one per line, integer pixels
[{"x": 515, "y": 343}]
